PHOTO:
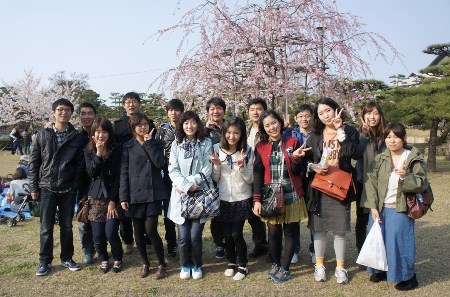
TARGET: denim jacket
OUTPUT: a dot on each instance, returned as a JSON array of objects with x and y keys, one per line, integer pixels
[{"x": 179, "y": 168}]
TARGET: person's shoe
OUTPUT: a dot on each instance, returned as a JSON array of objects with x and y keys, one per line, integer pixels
[
  {"x": 361, "y": 267},
  {"x": 144, "y": 271},
  {"x": 313, "y": 258},
  {"x": 104, "y": 267},
  {"x": 410, "y": 284},
  {"x": 185, "y": 272},
  {"x": 257, "y": 252},
  {"x": 341, "y": 275},
  {"x": 230, "y": 270},
  {"x": 42, "y": 269},
  {"x": 71, "y": 265},
  {"x": 319, "y": 273},
  {"x": 128, "y": 249},
  {"x": 88, "y": 259},
  {"x": 117, "y": 267},
  {"x": 281, "y": 276},
  {"x": 172, "y": 251},
  {"x": 378, "y": 277},
  {"x": 294, "y": 259},
  {"x": 220, "y": 252},
  {"x": 241, "y": 274},
  {"x": 273, "y": 270},
  {"x": 161, "y": 273},
  {"x": 197, "y": 272}
]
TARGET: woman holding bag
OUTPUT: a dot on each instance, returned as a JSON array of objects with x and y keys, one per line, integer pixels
[
  {"x": 398, "y": 170},
  {"x": 331, "y": 135},
  {"x": 189, "y": 165},
  {"x": 278, "y": 160}
]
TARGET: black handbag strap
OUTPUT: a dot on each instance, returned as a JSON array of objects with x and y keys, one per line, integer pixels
[
  {"x": 192, "y": 162},
  {"x": 204, "y": 178}
]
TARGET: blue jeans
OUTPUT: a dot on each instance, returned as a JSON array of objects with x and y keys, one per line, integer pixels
[
  {"x": 400, "y": 243},
  {"x": 107, "y": 231},
  {"x": 65, "y": 202},
  {"x": 190, "y": 243}
]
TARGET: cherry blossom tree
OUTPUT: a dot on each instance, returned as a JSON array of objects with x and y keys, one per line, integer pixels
[
  {"x": 270, "y": 48},
  {"x": 26, "y": 100}
]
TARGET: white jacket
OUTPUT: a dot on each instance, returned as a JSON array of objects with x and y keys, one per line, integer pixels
[{"x": 234, "y": 183}]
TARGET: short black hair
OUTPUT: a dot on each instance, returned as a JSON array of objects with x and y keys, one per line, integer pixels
[
  {"x": 175, "y": 104},
  {"x": 131, "y": 95},
  {"x": 304, "y": 107},
  {"x": 136, "y": 118},
  {"x": 20, "y": 173},
  {"x": 216, "y": 101},
  {"x": 62, "y": 101},
  {"x": 257, "y": 100},
  {"x": 87, "y": 105},
  {"x": 398, "y": 130}
]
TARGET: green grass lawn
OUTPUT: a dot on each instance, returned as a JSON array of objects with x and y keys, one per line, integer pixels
[{"x": 19, "y": 248}]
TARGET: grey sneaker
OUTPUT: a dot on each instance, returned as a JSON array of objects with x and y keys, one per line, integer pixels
[
  {"x": 88, "y": 259},
  {"x": 273, "y": 270},
  {"x": 341, "y": 275},
  {"x": 281, "y": 276},
  {"x": 42, "y": 269},
  {"x": 220, "y": 252},
  {"x": 319, "y": 273},
  {"x": 71, "y": 265}
]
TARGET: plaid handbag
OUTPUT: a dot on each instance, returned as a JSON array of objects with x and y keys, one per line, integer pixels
[{"x": 201, "y": 204}]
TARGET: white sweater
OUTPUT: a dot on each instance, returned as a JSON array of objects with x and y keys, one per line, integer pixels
[{"x": 234, "y": 183}]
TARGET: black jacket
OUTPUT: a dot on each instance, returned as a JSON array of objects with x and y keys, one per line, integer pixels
[
  {"x": 122, "y": 130},
  {"x": 53, "y": 168},
  {"x": 140, "y": 173},
  {"x": 347, "y": 151},
  {"x": 166, "y": 134},
  {"x": 106, "y": 170}
]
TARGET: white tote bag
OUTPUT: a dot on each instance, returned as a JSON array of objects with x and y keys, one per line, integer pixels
[{"x": 373, "y": 251}]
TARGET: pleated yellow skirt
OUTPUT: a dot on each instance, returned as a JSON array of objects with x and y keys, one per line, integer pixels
[{"x": 295, "y": 212}]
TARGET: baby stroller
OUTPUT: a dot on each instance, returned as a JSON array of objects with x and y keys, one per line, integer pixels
[{"x": 12, "y": 217}]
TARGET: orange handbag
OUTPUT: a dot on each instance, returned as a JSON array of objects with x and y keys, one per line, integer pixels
[{"x": 334, "y": 183}]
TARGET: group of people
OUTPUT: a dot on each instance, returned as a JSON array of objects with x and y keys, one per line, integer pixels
[
  {"x": 131, "y": 172},
  {"x": 21, "y": 140}
]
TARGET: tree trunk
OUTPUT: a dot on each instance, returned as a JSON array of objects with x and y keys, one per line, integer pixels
[
  {"x": 431, "y": 161},
  {"x": 447, "y": 152}
]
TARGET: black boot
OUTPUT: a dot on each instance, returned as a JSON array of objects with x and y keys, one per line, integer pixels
[
  {"x": 410, "y": 284},
  {"x": 378, "y": 277}
]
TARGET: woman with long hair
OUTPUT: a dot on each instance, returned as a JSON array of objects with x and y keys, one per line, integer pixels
[
  {"x": 102, "y": 158},
  {"x": 273, "y": 153},
  {"x": 189, "y": 160},
  {"x": 328, "y": 213},
  {"x": 400, "y": 169},
  {"x": 371, "y": 143},
  {"x": 142, "y": 188}
]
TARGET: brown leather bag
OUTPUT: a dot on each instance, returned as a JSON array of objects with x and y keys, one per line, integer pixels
[
  {"x": 334, "y": 183},
  {"x": 83, "y": 210},
  {"x": 419, "y": 203}
]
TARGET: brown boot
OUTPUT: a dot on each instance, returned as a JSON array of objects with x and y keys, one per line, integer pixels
[
  {"x": 161, "y": 273},
  {"x": 144, "y": 271}
]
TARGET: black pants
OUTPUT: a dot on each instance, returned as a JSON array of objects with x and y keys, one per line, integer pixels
[
  {"x": 217, "y": 232},
  {"x": 258, "y": 233},
  {"x": 276, "y": 242},
  {"x": 169, "y": 225},
  {"x": 126, "y": 230},
  {"x": 362, "y": 219},
  {"x": 235, "y": 243},
  {"x": 148, "y": 226},
  {"x": 104, "y": 232}
]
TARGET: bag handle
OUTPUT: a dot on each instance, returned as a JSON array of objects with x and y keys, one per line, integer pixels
[
  {"x": 192, "y": 162},
  {"x": 204, "y": 178}
]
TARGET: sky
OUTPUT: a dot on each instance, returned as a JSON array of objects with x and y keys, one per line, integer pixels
[{"x": 111, "y": 40}]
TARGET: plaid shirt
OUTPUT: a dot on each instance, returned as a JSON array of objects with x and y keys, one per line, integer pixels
[
  {"x": 61, "y": 136},
  {"x": 275, "y": 167}
]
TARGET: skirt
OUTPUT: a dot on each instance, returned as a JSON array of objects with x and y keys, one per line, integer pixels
[
  {"x": 98, "y": 209},
  {"x": 333, "y": 216},
  {"x": 231, "y": 212},
  {"x": 143, "y": 210},
  {"x": 295, "y": 212}
]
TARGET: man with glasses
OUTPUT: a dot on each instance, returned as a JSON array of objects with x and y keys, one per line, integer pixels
[
  {"x": 55, "y": 167},
  {"x": 303, "y": 117}
]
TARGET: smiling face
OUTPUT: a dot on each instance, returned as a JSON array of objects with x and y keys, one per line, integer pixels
[
  {"x": 142, "y": 128},
  {"x": 216, "y": 113},
  {"x": 233, "y": 135},
  {"x": 62, "y": 114},
  {"x": 254, "y": 112},
  {"x": 394, "y": 143},
  {"x": 87, "y": 117},
  {"x": 190, "y": 127},
  {"x": 326, "y": 114},
  {"x": 373, "y": 118},
  {"x": 101, "y": 135},
  {"x": 303, "y": 119},
  {"x": 272, "y": 127}
]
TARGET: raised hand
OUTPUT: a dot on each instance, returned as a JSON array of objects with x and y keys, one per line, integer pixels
[
  {"x": 149, "y": 135},
  {"x": 215, "y": 160},
  {"x": 241, "y": 160},
  {"x": 210, "y": 123},
  {"x": 287, "y": 121},
  {"x": 365, "y": 129},
  {"x": 301, "y": 151},
  {"x": 337, "y": 121},
  {"x": 100, "y": 146},
  {"x": 402, "y": 170}
]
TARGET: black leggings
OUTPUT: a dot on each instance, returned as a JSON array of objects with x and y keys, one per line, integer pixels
[
  {"x": 235, "y": 244},
  {"x": 276, "y": 241},
  {"x": 148, "y": 226}
]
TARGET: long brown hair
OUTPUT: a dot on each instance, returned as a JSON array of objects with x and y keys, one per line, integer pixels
[
  {"x": 106, "y": 125},
  {"x": 378, "y": 134}
]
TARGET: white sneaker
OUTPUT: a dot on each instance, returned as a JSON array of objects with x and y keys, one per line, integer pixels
[
  {"x": 341, "y": 275},
  {"x": 185, "y": 272},
  {"x": 319, "y": 273},
  {"x": 230, "y": 270},
  {"x": 294, "y": 259},
  {"x": 313, "y": 257},
  {"x": 241, "y": 274},
  {"x": 197, "y": 272}
]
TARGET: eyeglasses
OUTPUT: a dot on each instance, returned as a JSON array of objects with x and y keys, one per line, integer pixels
[
  {"x": 131, "y": 102},
  {"x": 63, "y": 110},
  {"x": 306, "y": 117},
  {"x": 142, "y": 125}
]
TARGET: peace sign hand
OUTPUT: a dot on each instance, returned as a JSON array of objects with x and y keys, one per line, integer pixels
[
  {"x": 365, "y": 129},
  {"x": 337, "y": 121},
  {"x": 402, "y": 170},
  {"x": 99, "y": 145},
  {"x": 210, "y": 123},
  {"x": 301, "y": 151},
  {"x": 287, "y": 121},
  {"x": 215, "y": 160},
  {"x": 241, "y": 160},
  {"x": 149, "y": 135}
]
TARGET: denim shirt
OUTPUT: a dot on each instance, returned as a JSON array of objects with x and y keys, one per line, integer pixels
[{"x": 179, "y": 168}]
